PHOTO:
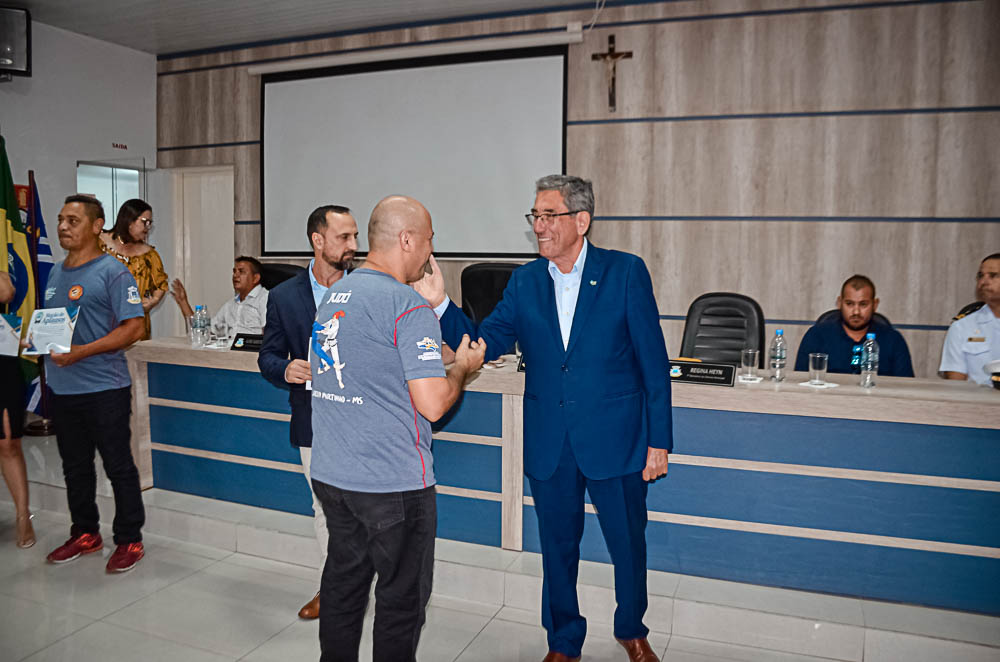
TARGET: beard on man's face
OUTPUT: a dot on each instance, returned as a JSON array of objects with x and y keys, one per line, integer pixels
[
  {"x": 856, "y": 323},
  {"x": 343, "y": 262}
]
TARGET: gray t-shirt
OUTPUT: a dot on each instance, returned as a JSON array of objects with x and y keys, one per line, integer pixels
[
  {"x": 371, "y": 335},
  {"x": 107, "y": 295}
]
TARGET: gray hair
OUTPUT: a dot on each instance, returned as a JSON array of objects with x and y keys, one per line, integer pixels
[{"x": 577, "y": 193}]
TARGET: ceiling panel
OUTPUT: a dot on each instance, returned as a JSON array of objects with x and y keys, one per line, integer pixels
[{"x": 171, "y": 26}]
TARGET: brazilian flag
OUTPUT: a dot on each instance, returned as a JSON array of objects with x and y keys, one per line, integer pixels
[{"x": 15, "y": 257}]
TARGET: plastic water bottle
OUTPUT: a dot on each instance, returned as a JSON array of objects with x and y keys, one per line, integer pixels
[
  {"x": 869, "y": 361},
  {"x": 778, "y": 354},
  {"x": 199, "y": 327},
  {"x": 856, "y": 359}
]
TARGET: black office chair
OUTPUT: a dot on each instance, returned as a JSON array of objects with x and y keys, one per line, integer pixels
[
  {"x": 835, "y": 315},
  {"x": 720, "y": 325},
  {"x": 273, "y": 274},
  {"x": 482, "y": 287}
]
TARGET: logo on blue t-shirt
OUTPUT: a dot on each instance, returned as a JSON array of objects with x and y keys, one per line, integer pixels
[
  {"x": 427, "y": 343},
  {"x": 324, "y": 346},
  {"x": 430, "y": 347},
  {"x": 133, "y": 294}
]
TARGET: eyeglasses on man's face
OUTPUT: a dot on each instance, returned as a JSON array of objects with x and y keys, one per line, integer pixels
[{"x": 547, "y": 218}]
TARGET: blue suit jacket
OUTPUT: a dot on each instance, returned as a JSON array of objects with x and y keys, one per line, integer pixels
[
  {"x": 608, "y": 392},
  {"x": 290, "y": 314}
]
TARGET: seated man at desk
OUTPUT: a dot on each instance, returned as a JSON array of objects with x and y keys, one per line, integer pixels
[
  {"x": 973, "y": 339},
  {"x": 837, "y": 337},
  {"x": 246, "y": 312}
]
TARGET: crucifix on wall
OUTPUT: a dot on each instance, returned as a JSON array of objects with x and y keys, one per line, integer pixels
[{"x": 610, "y": 60}]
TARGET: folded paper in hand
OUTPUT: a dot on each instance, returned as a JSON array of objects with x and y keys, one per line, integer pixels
[{"x": 51, "y": 330}]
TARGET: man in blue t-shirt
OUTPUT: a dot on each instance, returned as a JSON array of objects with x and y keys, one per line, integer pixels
[
  {"x": 91, "y": 388},
  {"x": 377, "y": 383},
  {"x": 837, "y": 337}
]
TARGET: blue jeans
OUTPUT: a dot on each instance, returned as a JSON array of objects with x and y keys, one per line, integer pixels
[{"x": 391, "y": 534}]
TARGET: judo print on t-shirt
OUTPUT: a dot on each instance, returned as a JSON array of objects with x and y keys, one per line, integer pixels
[{"x": 326, "y": 350}]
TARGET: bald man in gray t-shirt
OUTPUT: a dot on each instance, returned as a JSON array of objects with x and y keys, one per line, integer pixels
[{"x": 378, "y": 382}]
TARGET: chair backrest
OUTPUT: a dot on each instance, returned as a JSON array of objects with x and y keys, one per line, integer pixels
[
  {"x": 835, "y": 314},
  {"x": 273, "y": 274},
  {"x": 482, "y": 287},
  {"x": 720, "y": 325}
]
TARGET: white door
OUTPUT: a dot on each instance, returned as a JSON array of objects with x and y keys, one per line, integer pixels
[{"x": 194, "y": 233}]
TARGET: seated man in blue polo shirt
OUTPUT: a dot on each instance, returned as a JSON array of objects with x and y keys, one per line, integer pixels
[{"x": 837, "y": 337}]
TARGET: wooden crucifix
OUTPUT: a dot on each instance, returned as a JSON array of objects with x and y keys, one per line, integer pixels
[{"x": 611, "y": 63}]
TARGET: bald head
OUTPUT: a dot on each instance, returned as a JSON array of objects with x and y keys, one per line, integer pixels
[
  {"x": 393, "y": 215},
  {"x": 400, "y": 238}
]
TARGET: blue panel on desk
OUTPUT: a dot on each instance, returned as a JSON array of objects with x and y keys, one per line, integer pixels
[
  {"x": 472, "y": 466},
  {"x": 949, "y": 581},
  {"x": 474, "y": 413},
  {"x": 886, "y": 509},
  {"x": 228, "y": 481},
  {"x": 469, "y": 520},
  {"x": 227, "y": 388},
  {"x": 222, "y": 433},
  {"x": 933, "y": 450}
]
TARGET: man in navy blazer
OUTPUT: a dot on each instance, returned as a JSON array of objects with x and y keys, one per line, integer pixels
[
  {"x": 597, "y": 413},
  {"x": 284, "y": 353}
]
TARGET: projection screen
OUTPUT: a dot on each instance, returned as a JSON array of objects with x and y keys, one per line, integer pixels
[{"x": 466, "y": 135}]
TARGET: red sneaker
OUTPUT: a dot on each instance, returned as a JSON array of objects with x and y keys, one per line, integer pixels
[
  {"x": 125, "y": 557},
  {"x": 85, "y": 543}
]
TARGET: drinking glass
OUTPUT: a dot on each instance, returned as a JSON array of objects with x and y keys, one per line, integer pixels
[
  {"x": 748, "y": 364},
  {"x": 817, "y": 368}
]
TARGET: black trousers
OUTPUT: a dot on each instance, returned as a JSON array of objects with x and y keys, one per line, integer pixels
[
  {"x": 390, "y": 534},
  {"x": 100, "y": 421}
]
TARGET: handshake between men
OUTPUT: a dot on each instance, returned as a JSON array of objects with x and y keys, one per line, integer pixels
[
  {"x": 597, "y": 418},
  {"x": 298, "y": 371}
]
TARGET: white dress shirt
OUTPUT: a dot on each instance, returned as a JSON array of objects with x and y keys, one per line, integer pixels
[
  {"x": 971, "y": 343},
  {"x": 567, "y": 289},
  {"x": 246, "y": 316}
]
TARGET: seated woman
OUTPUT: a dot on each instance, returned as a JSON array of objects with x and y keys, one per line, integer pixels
[
  {"x": 127, "y": 242},
  {"x": 11, "y": 431}
]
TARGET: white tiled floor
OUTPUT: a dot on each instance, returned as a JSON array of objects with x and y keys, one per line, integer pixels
[{"x": 190, "y": 602}]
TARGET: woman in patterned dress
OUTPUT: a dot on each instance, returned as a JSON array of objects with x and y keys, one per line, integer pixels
[{"x": 126, "y": 241}]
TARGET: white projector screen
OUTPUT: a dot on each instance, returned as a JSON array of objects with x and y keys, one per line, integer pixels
[{"x": 467, "y": 138}]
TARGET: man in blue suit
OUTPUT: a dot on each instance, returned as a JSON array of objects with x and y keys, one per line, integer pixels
[
  {"x": 284, "y": 353},
  {"x": 597, "y": 413}
]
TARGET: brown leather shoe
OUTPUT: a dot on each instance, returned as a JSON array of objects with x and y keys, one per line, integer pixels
[
  {"x": 310, "y": 610},
  {"x": 638, "y": 650},
  {"x": 559, "y": 657}
]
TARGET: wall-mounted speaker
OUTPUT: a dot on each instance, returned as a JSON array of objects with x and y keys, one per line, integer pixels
[{"x": 15, "y": 41}]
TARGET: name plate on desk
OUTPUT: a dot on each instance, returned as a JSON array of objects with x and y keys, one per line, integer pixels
[
  {"x": 247, "y": 342},
  {"x": 696, "y": 372}
]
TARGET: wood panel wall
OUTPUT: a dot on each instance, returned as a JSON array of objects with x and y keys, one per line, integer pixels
[{"x": 769, "y": 147}]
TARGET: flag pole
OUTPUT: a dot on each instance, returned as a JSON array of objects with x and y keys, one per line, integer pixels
[{"x": 42, "y": 427}]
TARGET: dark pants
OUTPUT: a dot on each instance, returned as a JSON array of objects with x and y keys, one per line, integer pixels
[
  {"x": 621, "y": 511},
  {"x": 389, "y": 534},
  {"x": 99, "y": 421}
]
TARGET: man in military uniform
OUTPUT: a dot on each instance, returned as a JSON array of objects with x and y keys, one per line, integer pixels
[{"x": 974, "y": 337}]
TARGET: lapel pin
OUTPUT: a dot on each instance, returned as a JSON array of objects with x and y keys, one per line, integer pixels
[{"x": 593, "y": 282}]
